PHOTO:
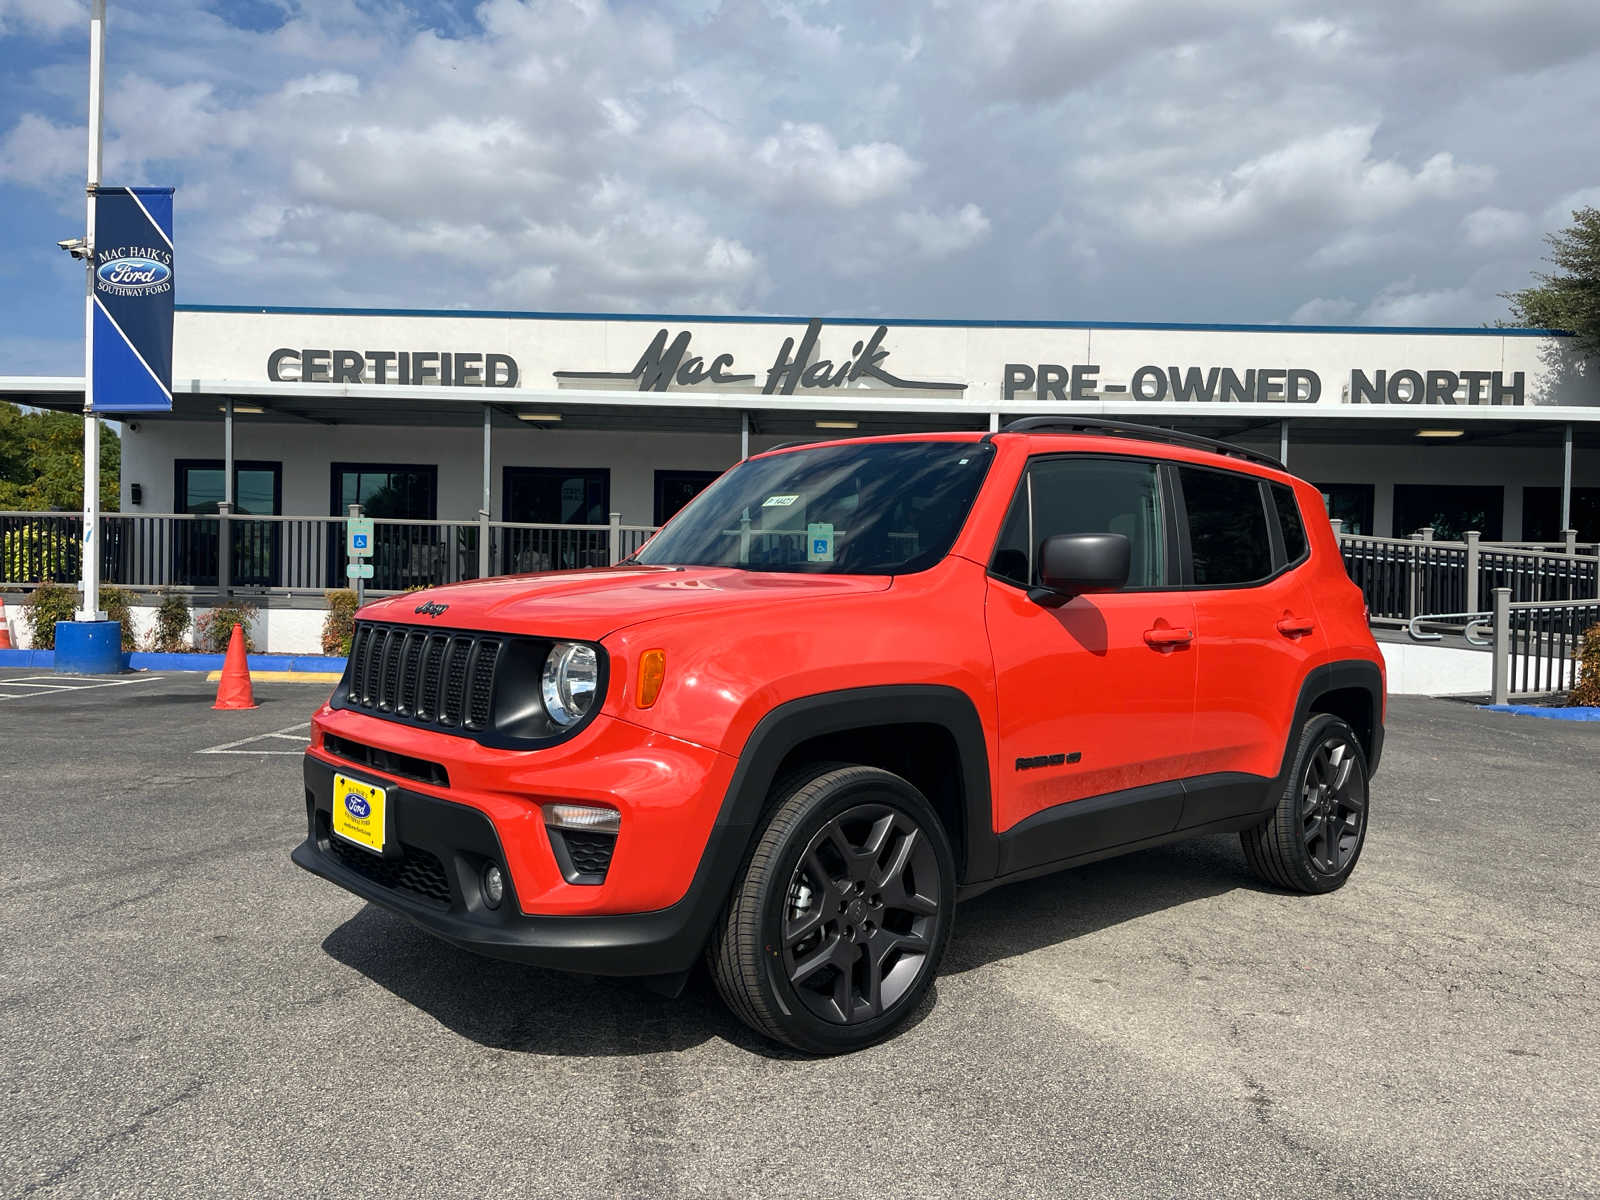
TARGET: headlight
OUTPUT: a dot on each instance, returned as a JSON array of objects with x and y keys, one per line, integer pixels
[{"x": 571, "y": 673}]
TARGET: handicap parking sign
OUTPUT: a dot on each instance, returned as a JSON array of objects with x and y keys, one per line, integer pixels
[{"x": 359, "y": 536}]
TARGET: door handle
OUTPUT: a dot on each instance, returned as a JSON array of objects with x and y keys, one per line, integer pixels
[
  {"x": 1295, "y": 626},
  {"x": 1163, "y": 637}
]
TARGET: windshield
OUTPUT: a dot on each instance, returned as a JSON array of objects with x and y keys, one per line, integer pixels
[{"x": 877, "y": 508}]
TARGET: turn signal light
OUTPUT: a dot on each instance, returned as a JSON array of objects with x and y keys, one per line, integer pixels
[{"x": 652, "y": 674}]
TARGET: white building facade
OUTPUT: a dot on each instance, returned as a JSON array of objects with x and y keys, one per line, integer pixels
[{"x": 568, "y": 418}]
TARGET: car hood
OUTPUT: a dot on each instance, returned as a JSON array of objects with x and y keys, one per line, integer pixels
[{"x": 592, "y": 603}]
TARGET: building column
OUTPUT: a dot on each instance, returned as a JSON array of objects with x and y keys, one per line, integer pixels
[
  {"x": 1283, "y": 441},
  {"x": 744, "y": 436},
  {"x": 1566, "y": 480},
  {"x": 483, "y": 505}
]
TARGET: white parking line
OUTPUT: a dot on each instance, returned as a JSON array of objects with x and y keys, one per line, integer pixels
[
  {"x": 47, "y": 685},
  {"x": 288, "y": 734}
]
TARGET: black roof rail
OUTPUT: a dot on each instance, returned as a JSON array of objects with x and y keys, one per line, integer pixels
[{"x": 1148, "y": 433}]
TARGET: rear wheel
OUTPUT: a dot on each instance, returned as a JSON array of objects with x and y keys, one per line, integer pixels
[
  {"x": 835, "y": 931},
  {"x": 1313, "y": 838}
]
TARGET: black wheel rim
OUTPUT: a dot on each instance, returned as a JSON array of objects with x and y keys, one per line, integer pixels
[
  {"x": 1333, "y": 805},
  {"x": 859, "y": 915}
]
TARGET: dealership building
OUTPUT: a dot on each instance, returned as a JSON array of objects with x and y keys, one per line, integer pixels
[{"x": 567, "y": 418}]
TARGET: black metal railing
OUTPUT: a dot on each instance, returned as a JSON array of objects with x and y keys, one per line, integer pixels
[{"x": 157, "y": 551}]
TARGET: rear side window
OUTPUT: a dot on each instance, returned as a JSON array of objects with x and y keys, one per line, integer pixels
[
  {"x": 1294, "y": 532},
  {"x": 1085, "y": 495},
  {"x": 1228, "y": 535}
]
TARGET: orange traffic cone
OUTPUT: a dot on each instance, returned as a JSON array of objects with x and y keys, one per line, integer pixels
[
  {"x": 5, "y": 627},
  {"x": 234, "y": 690}
]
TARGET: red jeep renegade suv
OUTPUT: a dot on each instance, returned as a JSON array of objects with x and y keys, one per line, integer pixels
[{"x": 847, "y": 686}]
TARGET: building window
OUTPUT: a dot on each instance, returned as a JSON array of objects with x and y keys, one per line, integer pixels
[
  {"x": 1350, "y": 503},
  {"x": 257, "y": 491},
  {"x": 555, "y": 496},
  {"x": 1541, "y": 514},
  {"x": 408, "y": 493},
  {"x": 1451, "y": 509},
  {"x": 402, "y": 556},
  {"x": 674, "y": 489},
  {"x": 558, "y": 495}
]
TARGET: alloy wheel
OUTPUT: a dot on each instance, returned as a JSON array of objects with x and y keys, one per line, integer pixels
[
  {"x": 858, "y": 918},
  {"x": 1333, "y": 805}
]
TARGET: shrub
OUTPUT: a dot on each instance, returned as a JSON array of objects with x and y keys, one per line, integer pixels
[
  {"x": 215, "y": 628},
  {"x": 39, "y": 552},
  {"x": 49, "y": 603},
  {"x": 117, "y": 604},
  {"x": 171, "y": 632},
  {"x": 1586, "y": 690},
  {"x": 339, "y": 627}
]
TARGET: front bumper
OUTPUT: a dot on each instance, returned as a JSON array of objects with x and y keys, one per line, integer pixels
[{"x": 430, "y": 873}]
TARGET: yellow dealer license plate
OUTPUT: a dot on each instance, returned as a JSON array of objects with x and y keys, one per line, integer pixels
[{"x": 359, "y": 812}]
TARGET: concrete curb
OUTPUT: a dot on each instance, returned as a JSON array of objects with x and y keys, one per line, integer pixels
[{"x": 267, "y": 664}]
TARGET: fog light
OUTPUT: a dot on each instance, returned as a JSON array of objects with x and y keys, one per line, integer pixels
[
  {"x": 494, "y": 886},
  {"x": 582, "y": 818}
]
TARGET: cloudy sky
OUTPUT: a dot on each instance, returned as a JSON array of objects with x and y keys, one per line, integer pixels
[{"x": 1211, "y": 160}]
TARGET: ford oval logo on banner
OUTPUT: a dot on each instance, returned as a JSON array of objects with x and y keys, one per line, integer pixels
[
  {"x": 137, "y": 273},
  {"x": 357, "y": 807}
]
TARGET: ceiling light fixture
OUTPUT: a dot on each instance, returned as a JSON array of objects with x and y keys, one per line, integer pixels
[
  {"x": 838, "y": 424},
  {"x": 1440, "y": 433},
  {"x": 540, "y": 417},
  {"x": 242, "y": 408}
]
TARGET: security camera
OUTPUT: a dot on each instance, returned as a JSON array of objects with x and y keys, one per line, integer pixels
[{"x": 77, "y": 247}]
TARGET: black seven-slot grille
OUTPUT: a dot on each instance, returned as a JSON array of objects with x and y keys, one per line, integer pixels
[{"x": 430, "y": 676}]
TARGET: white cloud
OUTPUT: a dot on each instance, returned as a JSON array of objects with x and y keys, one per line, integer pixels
[
  {"x": 1323, "y": 310},
  {"x": 325, "y": 83},
  {"x": 35, "y": 151},
  {"x": 1329, "y": 178},
  {"x": 1317, "y": 35},
  {"x": 1559, "y": 215},
  {"x": 806, "y": 160},
  {"x": 939, "y": 235},
  {"x": 1403, "y": 303},
  {"x": 1357, "y": 246},
  {"x": 1491, "y": 226},
  {"x": 51, "y": 18}
]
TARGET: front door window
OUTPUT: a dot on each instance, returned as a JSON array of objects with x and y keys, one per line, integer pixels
[
  {"x": 555, "y": 496},
  {"x": 257, "y": 491}
]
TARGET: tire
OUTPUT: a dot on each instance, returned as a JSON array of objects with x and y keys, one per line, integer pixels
[
  {"x": 1314, "y": 837},
  {"x": 834, "y": 932}
]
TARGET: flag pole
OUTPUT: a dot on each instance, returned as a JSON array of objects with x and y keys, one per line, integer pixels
[{"x": 90, "y": 609}]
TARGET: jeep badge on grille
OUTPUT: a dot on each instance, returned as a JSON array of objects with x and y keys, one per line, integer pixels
[{"x": 430, "y": 608}]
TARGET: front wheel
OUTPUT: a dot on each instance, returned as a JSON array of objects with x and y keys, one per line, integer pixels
[
  {"x": 836, "y": 929},
  {"x": 1313, "y": 838}
]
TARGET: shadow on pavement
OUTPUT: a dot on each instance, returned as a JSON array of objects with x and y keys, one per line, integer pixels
[
  {"x": 1021, "y": 917},
  {"x": 527, "y": 1010}
]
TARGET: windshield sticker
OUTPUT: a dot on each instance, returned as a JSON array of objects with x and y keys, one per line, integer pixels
[
  {"x": 778, "y": 501},
  {"x": 819, "y": 542}
]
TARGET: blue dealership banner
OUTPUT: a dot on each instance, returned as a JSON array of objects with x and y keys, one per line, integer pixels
[{"x": 133, "y": 300}]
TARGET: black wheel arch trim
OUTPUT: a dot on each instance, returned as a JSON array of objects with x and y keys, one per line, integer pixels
[
  {"x": 1343, "y": 675},
  {"x": 797, "y": 721}
]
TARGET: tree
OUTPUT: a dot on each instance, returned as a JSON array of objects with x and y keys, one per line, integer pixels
[
  {"x": 1570, "y": 298},
  {"x": 41, "y": 461}
]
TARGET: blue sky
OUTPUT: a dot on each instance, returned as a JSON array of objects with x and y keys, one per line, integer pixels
[{"x": 1102, "y": 159}]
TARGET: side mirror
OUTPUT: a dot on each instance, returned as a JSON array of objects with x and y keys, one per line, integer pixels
[{"x": 1078, "y": 564}]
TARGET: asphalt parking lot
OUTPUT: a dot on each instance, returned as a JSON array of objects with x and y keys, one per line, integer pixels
[{"x": 183, "y": 1013}]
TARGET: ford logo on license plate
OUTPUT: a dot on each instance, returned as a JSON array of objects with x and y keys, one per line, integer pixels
[{"x": 357, "y": 807}]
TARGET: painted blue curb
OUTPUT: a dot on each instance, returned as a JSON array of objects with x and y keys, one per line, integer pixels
[
  {"x": 265, "y": 663},
  {"x": 28, "y": 658},
  {"x": 1550, "y": 714}
]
